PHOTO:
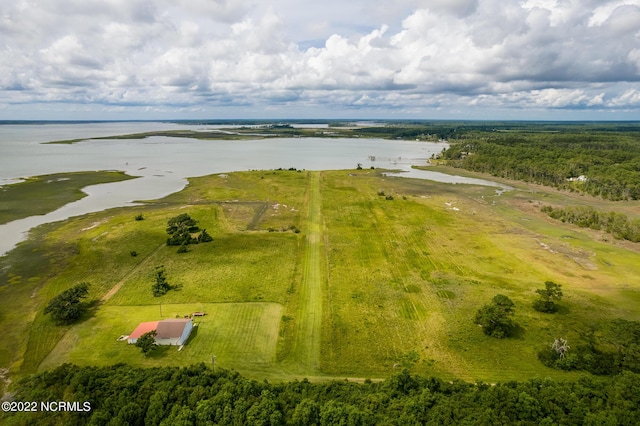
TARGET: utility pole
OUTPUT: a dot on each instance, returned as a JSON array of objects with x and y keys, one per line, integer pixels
[
  {"x": 213, "y": 363},
  {"x": 160, "y": 309}
]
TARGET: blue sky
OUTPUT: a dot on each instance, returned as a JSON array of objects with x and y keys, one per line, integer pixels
[{"x": 440, "y": 59}]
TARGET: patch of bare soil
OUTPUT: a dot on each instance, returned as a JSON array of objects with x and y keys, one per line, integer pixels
[{"x": 581, "y": 257}]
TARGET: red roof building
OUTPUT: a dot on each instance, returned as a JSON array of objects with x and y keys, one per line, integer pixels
[
  {"x": 169, "y": 331},
  {"x": 143, "y": 327}
]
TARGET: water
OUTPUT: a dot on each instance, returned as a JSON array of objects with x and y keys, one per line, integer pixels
[
  {"x": 162, "y": 164},
  {"x": 453, "y": 179}
]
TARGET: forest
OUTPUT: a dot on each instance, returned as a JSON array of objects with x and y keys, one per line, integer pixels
[
  {"x": 196, "y": 395},
  {"x": 603, "y": 163}
]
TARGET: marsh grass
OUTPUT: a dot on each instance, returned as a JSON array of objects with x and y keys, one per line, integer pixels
[{"x": 39, "y": 195}]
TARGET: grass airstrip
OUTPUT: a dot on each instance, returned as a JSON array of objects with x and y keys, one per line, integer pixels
[{"x": 371, "y": 284}]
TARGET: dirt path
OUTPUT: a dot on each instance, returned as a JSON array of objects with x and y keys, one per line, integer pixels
[
  {"x": 306, "y": 351},
  {"x": 108, "y": 295}
]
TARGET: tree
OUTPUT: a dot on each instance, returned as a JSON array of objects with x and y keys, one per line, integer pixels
[
  {"x": 204, "y": 237},
  {"x": 147, "y": 342},
  {"x": 494, "y": 318},
  {"x": 180, "y": 228},
  {"x": 560, "y": 346},
  {"x": 559, "y": 356},
  {"x": 68, "y": 306},
  {"x": 161, "y": 286},
  {"x": 307, "y": 412},
  {"x": 551, "y": 292}
]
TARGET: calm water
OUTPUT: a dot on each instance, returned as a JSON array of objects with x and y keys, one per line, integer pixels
[{"x": 164, "y": 163}]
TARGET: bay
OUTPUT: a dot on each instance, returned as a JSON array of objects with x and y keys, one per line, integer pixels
[{"x": 163, "y": 164}]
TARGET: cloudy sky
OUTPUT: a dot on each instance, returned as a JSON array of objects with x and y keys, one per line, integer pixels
[{"x": 449, "y": 59}]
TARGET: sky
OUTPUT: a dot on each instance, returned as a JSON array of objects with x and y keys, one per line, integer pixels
[{"x": 379, "y": 59}]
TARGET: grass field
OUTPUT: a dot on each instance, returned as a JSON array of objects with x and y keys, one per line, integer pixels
[
  {"x": 370, "y": 285},
  {"x": 242, "y": 335}
]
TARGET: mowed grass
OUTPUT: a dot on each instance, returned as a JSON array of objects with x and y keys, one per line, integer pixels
[
  {"x": 396, "y": 282},
  {"x": 238, "y": 268},
  {"x": 239, "y": 335},
  {"x": 305, "y": 342}
]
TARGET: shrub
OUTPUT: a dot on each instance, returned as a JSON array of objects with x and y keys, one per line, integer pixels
[
  {"x": 204, "y": 237},
  {"x": 547, "y": 307}
]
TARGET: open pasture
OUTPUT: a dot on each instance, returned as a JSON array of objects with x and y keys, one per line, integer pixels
[
  {"x": 386, "y": 273},
  {"x": 411, "y": 272}
]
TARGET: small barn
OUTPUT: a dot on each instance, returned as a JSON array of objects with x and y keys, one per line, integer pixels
[
  {"x": 173, "y": 331},
  {"x": 168, "y": 332},
  {"x": 142, "y": 328}
]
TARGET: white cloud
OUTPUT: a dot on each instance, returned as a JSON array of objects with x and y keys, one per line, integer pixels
[
  {"x": 554, "y": 54},
  {"x": 607, "y": 8},
  {"x": 630, "y": 98}
]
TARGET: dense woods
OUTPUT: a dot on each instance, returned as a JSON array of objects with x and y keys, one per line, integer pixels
[
  {"x": 124, "y": 395},
  {"x": 604, "y": 164}
]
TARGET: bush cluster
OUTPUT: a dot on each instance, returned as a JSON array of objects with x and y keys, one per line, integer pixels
[{"x": 614, "y": 223}]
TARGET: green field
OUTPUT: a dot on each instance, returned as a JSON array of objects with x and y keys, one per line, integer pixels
[
  {"x": 242, "y": 335},
  {"x": 368, "y": 286}
]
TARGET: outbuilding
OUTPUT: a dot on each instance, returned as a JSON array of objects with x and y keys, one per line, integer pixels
[
  {"x": 173, "y": 331},
  {"x": 142, "y": 328},
  {"x": 168, "y": 332}
]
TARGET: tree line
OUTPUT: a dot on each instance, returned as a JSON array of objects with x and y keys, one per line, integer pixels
[
  {"x": 604, "y": 164},
  {"x": 196, "y": 395},
  {"x": 614, "y": 223}
]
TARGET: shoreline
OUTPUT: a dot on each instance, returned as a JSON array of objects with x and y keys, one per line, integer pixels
[
  {"x": 17, "y": 231},
  {"x": 49, "y": 192}
]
